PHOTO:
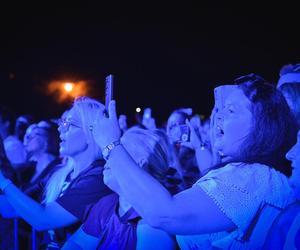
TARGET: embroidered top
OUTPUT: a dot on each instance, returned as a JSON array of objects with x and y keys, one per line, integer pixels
[{"x": 239, "y": 190}]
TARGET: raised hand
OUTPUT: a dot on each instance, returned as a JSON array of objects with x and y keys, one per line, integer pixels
[
  {"x": 123, "y": 122},
  {"x": 106, "y": 129},
  {"x": 195, "y": 138},
  {"x": 148, "y": 121}
]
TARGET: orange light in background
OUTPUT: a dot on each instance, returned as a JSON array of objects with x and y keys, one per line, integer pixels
[
  {"x": 68, "y": 86},
  {"x": 64, "y": 91}
]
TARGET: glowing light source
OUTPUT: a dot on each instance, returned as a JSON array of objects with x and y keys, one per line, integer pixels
[
  {"x": 64, "y": 90},
  {"x": 68, "y": 86},
  {"x": 138, "y": 110}
]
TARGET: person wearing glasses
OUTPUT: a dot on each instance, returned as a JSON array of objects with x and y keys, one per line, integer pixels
[
  {"x": 76, "y": 184},
  {"x": 41, "y": 145},
  {"x": 253, "y": 129},
  {"x": 112, "y": 223}
]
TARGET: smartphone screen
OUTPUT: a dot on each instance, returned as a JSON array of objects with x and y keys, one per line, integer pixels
[
  {"x": 184, "y": 133},
  {"x": 109, "y": 84}
]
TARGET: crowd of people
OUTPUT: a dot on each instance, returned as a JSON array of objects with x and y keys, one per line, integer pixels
[{"x": 90, "y": 181}]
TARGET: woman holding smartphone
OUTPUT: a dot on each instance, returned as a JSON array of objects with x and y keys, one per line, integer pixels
[
  {"x": 113, "y": 223},
  {"x": 253, "y": 132}
]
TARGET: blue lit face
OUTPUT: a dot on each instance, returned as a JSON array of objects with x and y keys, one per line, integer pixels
[
  {"x": 73, "y": 138},
  {"x": 138, "y": 154},
  {"x": 173, "y": 129},
  {"x": 109, "y": 179},
  {"x": 36, "y": 142},
  {"x": 294, "y": 156},
  {"x": 233, "y": 124}
]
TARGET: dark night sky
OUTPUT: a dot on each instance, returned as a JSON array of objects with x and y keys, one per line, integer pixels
[{"x": 162, "y": 57}]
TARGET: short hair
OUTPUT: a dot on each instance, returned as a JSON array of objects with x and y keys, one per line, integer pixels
[
  {"x": 274, "y": 129},
  {"x": 292, "y": 90},
  {"x": 185, "y": 113},
  {"x": 290, "y": 87},
  {"x": 153, "y": 145}
]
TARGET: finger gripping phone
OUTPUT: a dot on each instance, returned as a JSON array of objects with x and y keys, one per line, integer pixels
[
  {"x": 184, "y": 133},
  {"x": 109, "y": 86}
]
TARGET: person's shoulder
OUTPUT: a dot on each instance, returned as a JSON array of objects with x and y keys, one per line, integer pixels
[
  {"x": 106, "y": 204},
  {"x": 242, "y": 172},
  {"x": 249, "y": 168},
  {"x": 95, "y": 169}
]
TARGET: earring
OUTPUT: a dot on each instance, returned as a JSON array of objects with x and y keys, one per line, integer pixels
[{"x": 220, "y": 153}]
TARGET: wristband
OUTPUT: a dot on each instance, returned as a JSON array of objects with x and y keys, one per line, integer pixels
[
  {"x": 4, "y": 184},
  {"x": 106, "y": 151},
  {"x": 202, "y": 146}
]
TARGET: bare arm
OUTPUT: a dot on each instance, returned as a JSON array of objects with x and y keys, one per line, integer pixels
[
  {"x": 202, "y": 152},
  {"x": 152, "y": 238},
  {"x": 40, "y": 217},
  {"x": 81, "y": 240},
  {"x": 191, "y": 211},
  {"x": 204, "y": 159},
  {"x": 6, "y": 210}
]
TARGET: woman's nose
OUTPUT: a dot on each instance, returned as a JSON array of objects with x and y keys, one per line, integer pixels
[
  {"x": 291, "y": 153},
  {"x": 59, "y": 129},
  {"x": 219, "y": 117}
]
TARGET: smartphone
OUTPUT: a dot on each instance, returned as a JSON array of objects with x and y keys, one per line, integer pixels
[
  {"x": 109, "y": 87},
  {"x": 180, "y": 133},
  {"x": 185, "y": 133}
]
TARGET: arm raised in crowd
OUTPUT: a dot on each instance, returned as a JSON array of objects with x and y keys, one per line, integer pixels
[
  {"x": 183, "y": 213},
  {"x": 6, "y": 210},
  {"x": 38, "y": 216},
  {"x": 202, "y": 151}
]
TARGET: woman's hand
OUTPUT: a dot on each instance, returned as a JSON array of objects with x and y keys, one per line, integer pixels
[
  {"x": 106, "y": 129},
  {"x": 123, "y": 122},
  {"x": 195, "y": 137}
]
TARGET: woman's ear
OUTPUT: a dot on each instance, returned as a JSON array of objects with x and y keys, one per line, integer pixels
[{"x": 143, "y": 163}]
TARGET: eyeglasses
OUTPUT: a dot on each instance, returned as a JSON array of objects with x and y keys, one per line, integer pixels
[
  {"x": 64, "y": 124},
  {"x": 249, "y": 78}
]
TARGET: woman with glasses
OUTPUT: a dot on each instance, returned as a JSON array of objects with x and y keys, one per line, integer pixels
[
  {"x": 76, "y": 184},
  {"x": 253, "y": 130},
  {"x": 41, "y": 145},
  {"x": 41, "y": 148},
  {"x": 112, "y": 223}
]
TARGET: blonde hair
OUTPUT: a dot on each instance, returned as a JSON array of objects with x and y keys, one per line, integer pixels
[
  {"x": 153, "y": 146},
  {"x": 88, "y": 110}
]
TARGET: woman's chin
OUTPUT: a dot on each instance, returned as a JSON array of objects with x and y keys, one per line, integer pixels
[{"x": 109, "y": 183}]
